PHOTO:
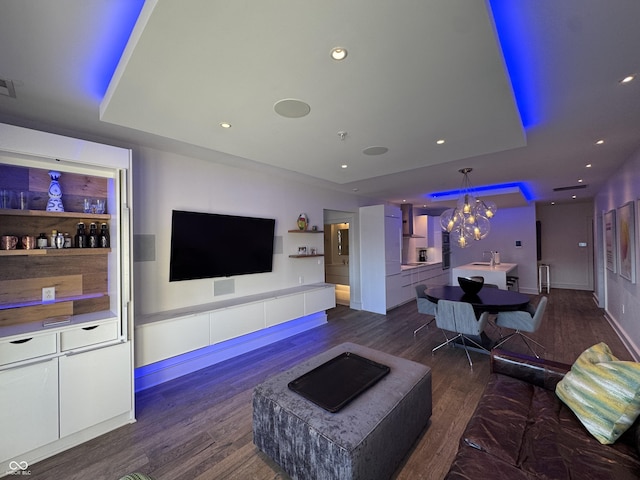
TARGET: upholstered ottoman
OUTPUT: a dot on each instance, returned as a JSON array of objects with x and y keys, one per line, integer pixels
[{"x": 367, "y": 439}]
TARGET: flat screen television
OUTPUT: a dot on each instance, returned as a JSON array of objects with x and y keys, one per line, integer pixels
[{"x": 209, "y": 245}]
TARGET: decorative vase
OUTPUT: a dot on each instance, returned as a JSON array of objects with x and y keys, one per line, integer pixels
[
  {"x": 303, "y": 221},
  {"x": 55, "y": 194}
]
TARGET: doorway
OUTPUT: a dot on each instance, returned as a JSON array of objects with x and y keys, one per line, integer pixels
[{"x": 336, "y": 266}]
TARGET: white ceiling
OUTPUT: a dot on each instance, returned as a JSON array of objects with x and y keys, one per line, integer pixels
[{"x": 416, "y": 71}]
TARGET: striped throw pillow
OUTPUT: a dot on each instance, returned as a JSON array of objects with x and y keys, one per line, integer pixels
[{"x": 603, "y": 392}]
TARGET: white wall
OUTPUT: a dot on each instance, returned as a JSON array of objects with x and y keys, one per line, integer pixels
[
  {"x": 564, "y": 227},
  {"x": 509, "y": 225},
  {"x": 165, "y": 181},
  {"x": 617, "y": 295}
]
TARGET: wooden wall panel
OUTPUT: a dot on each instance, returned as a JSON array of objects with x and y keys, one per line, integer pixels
[
  {"x": 30, "y": 290},
  {"x": 89, "y": 305},
  {"x": 14, "y": 316},
  {"x": 53, "y": 266},
  {"x": 75, "y": 188}
]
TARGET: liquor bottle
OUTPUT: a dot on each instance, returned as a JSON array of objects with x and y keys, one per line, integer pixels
[
  {"x": 81, "y": 237},
  {"x": 93, "y": 236},
  {"x": 42, "y": 240},
  {"x": 103, "y": 241}
]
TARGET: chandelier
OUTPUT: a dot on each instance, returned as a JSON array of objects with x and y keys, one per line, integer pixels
[{"x": 469, "y": 220}]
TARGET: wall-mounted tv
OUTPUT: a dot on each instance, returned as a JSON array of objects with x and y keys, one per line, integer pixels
[{"x": 208, "y": 245}]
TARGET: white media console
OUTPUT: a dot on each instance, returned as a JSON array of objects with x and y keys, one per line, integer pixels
[{"x": 173, "y": 343}]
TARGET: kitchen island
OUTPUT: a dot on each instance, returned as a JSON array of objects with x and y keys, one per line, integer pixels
[{"x": 496, "y": 274}]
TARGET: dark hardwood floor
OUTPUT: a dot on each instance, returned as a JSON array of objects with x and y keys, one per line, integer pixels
[{"x": 199, "y": 426}]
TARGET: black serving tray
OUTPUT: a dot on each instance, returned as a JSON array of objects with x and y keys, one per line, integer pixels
[{"x": 335, "y": 383}]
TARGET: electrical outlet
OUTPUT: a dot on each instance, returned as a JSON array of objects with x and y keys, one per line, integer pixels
[{"x": 48, "y": 294}]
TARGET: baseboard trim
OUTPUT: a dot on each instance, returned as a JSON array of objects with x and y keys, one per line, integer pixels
[
  {"x": 631, "y": 346},
  {"x": 148, "y": 376}
]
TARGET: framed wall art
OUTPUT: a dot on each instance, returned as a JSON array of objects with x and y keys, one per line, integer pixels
[
  {"x": 627, "y": 241},
  {"x": 610, "y": 239}
]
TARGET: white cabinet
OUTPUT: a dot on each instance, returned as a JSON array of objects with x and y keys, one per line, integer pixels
[
  {"x": 88, "y": 335},
  {"x": 401, "y": 288},
  {"x": 66, "y": 371},
  {"x": 27, "y": 348},
  {"x": 28, "y": 408},
  {"x": 282, "y": 309},
  {"x": 380, "y": 254},
  {"x": 392, "y": 242},
  {"x": 394, "y": 290},
  {"x": 318, "y": 300},
  {"x": 95, "y": 386},
  {"x": 171, "y": 337},
  {"x": 232, "y": 322},
  {"x": 169, "y": 334}
]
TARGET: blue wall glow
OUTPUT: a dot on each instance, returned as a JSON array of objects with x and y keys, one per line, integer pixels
[
  {"x": 517, "y": 44},
  {"x": 115, "y": 28}
]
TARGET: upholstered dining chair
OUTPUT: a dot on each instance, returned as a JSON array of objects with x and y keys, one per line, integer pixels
[
  {"x": 460, "y": 318},
  {"x": 522, "y": 320},
  {"x": 425, "y": 306}
]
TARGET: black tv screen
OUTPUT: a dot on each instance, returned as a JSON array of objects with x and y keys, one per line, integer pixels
[{"x": 208, "y": 245}]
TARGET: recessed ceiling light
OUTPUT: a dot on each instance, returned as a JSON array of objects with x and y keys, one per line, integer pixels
[
  {"x": 356, "y": 189},
  {"x": 588, "y": 165},
  {"x": 579, "y": 180},
  {"x": 628, "y": 79},
  {"x": 440, "y": 141},
  {"x": 344, "y": 165},
  {"x": 338, "y": 53},
  {"x": 600, "y": 142},
  {"x": 573, "y": 196},
  {"x": 553, "y": 203},
  {"x": 225, "y": 124}
]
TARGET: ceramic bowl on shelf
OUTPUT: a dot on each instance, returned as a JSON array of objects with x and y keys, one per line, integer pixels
[{"x": 471, "y": 285}]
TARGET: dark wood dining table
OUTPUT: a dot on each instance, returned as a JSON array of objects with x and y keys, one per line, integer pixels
[{"x": 486, "y": 300}]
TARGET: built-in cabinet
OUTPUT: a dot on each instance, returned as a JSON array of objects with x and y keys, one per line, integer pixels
[
  {"x": 401, "y": 287},
  {"x": 380, "y": 254},
  {"x": 66, "y": 369},
  {"x": 29, "y": 399},
  {"x": 205, "y": 325}
]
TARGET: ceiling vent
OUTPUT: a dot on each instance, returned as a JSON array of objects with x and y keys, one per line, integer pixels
[
  {"x": 574, "y": 187},
  {"x": 7, "y": 88}
]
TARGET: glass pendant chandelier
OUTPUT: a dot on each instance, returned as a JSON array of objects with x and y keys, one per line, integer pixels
[{"x": 469, "y": 220}]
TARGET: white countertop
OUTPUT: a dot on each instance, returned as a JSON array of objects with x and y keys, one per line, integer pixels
[
  {"x": 486, "y": 267},
  {"x": 409, "y": 266}
]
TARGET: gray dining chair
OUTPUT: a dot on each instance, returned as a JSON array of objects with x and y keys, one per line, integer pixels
[
  {"x": 460, "y": 318},
  {"x": 522, "y": 320},
  {"x": 425, "y": 306}
]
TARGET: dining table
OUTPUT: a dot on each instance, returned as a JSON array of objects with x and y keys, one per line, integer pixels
[
  {"x": 486, "y": 300},
  {"x": 492, "y": 300}
]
